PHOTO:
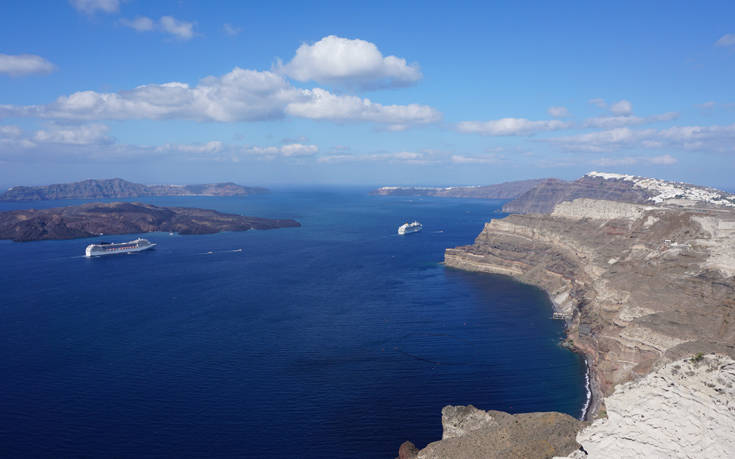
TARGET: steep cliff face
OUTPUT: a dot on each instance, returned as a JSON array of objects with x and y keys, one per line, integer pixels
[
  {"x": 543, "y": 198},
  {"x": 620, "y": 188},
  {"x": 637, "y": 284},
  {"x": 646, "y": 284}
]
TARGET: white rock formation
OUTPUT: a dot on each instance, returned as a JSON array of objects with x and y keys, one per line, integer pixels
[
  {"x": 684, "y": 409},
  {"x": 599, "y": 209}
]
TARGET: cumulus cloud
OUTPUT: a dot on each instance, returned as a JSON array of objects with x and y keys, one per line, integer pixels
[
  {"x": 231, "y": 30},
  {"x": 24, "y": 64},
  {"x": 93, "y": 6},
  {"x": 349, "y": 63},
  {"x": 558, "y": 112},
  {"x": 240, "y": 95},
  {"x": 510, "y": 126},
  {"x": 181, "y": 30},
  {"x": 320, "y": 104},
  {"x": 726, "y": 40}
]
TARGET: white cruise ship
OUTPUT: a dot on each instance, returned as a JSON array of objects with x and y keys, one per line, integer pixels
[
  {"x": 106, "y": 248},
  {"x": 408, "y": 228}
]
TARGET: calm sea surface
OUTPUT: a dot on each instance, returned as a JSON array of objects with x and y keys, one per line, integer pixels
[{"x": 336, "y": 339}]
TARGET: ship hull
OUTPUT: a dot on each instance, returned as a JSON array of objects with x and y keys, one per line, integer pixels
[{"x": 95, "y": 250}]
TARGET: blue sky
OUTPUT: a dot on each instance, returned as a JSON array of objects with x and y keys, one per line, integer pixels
[{"x": 350, "y": 93}]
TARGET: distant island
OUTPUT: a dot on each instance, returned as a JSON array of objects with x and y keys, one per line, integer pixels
[
  {"x": 506, "y": 190},
  {"x": 118, "y": 188},
  {"x": 94, "y": 219}
]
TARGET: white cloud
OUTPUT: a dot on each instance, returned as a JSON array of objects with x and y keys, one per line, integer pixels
[
  {"x": 558, "y": 112},
  {"x": 24, "y": 64},
  {"x": 320, "y": 104},
  {"x": 85, "y": 134},
  {"x": 663, "y": 160},
  {"x": 717, "y": 139},
  {"x": 510, "y": 126},
  {"x": 141, "y": 23},
  {"x": 231, "y": 30},
  {"x": 622, "y": 107},
  {"x": 350, "y": 63},
  {"x": 402, "y": 157},
  {"x": 181, "y": 30},
  {"x": 90, "y": 141},
  {"x": 92, "y": 6},
  {"x": 297, "y": 149},
  {"x": 490, "y": 159},
  {"x": 240, "y": 95},
  {"x": 214, "y": 146},
  {"x": 608, "y": 122},
  {"x": 726, "y": 40}
]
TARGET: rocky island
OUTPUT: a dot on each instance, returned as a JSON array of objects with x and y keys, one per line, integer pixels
[
  {"x": 506, "y": 190},
  {"x": 643, "y": 273},
  {"x": 93, "y": 219},
  {"x": 118, "y": 188}
]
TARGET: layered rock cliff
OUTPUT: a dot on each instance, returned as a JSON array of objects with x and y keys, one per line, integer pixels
[{"x": 640, "y": 284}]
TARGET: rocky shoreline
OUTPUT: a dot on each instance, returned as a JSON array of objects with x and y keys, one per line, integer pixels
[{"x": 640, "y": 285}]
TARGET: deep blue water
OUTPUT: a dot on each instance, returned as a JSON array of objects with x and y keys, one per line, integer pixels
[{"x": 336, "y": 339}]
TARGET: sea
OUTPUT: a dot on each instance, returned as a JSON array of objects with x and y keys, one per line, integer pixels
[{"x": 333, "y": 340}]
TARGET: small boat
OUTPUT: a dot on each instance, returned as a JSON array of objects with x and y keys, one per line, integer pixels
[{"x": 408, "y": 228}]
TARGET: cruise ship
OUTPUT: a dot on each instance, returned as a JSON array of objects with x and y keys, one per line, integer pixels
[
  {"x": 106, "y": 248},
  {"x": 408, "y": 228}
]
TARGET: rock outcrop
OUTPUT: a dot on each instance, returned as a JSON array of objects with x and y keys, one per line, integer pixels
[
  {"x": 645, "y": 282},
  {"x": 506, "y": 190},
  {"x": 123, "y": 218},
  {"x": 119, "y": 188},
  {"x": 473, "y": 433},
  {"x": 686, "y": 408}
]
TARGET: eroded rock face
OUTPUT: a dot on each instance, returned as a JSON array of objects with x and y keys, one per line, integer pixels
[
  {"x": 652, "y": 284},
  {"x": 473, "y": 433},
  {"x": 684, "y": 409}
]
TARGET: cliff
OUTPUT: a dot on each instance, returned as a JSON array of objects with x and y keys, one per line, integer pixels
[
  {"x": 641, "y": 285},
  {"x": 506, "y": 190},
  {"x": 119, "y": 188},
  {"x": 615, "y": 187},
  {"x": 93, "y": 219}
]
